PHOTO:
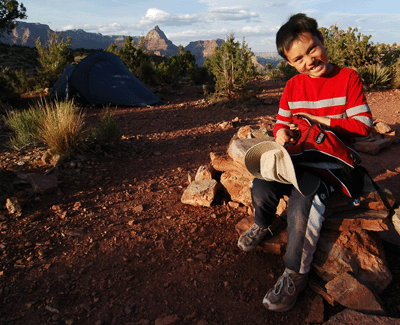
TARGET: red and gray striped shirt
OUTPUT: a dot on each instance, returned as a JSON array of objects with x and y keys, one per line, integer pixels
[{"x": 339, "y": 96}]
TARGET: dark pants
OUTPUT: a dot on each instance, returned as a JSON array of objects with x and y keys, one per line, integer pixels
[{"x": 305, "y": 215}]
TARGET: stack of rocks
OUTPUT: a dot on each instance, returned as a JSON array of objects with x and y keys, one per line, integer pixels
[{"x": 349, "y": 265}]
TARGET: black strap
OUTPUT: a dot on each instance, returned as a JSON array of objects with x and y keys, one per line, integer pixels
[
  {"x": 304, "y": 140},
  {"x": 381, "y": 193}
]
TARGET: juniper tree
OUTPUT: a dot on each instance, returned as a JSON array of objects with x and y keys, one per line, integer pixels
[
  {"x": 54, "y": 55},
  {"x": 231, "y": 66}
]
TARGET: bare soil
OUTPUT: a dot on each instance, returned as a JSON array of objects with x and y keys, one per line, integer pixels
[{"x": 114, "y": 245}]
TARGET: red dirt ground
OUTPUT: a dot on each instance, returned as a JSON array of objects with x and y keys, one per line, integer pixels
[{"x": 116, "y": 246}]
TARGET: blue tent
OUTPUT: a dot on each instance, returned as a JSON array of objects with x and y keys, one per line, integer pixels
[{"x": 101, "y": 79}]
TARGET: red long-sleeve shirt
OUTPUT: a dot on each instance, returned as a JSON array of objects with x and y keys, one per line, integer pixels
[{"x": 338, "y": 95}]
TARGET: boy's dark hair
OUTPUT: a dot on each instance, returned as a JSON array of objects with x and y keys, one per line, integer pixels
[{"x": 289, "y": 32}]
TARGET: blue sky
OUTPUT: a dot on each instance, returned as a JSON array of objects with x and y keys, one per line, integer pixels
[{"x": 192, "y": 20}]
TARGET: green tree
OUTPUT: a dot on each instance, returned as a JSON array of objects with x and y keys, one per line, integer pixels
[
  {"x": 177, "y": 67},
  {"x": 10, "y": 10},
  {"x": 53, "y": 56},
  {"x": 231, "y": 66}
]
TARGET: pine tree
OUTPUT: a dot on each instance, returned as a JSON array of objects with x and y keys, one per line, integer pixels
[
  {"x": 54, "y": 55},
  {"x": 232, "y": 67},
  {"x": 10, "y": 10}
]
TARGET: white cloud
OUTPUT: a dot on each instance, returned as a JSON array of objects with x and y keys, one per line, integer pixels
[
  {"x": 156, "y": 16},
  {"x": 68, "y": 27},
  {"x": 230, "y": 14},
  {"x": 275, "y": 4}
]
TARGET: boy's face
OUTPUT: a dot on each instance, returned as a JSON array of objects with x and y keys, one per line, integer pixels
[{"x": 308, "y": 56}]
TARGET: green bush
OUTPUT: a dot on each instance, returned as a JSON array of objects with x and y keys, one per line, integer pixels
[
  {"x": 396, "y": 74},
  {"x": 109, "y": 129},
  {"x": 7, "y": 80},
  {"x": 58, "y": 125},
  {"x": 200, "y": 75},
  {"x": 348, "y": 49},
  {"x": 287, "y": 70},
  {"x": 375, "y": 76},
  {"x": 25, "y": 125}
]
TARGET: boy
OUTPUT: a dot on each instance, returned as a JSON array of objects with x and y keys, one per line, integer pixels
[{"x": 324, "y": 94}]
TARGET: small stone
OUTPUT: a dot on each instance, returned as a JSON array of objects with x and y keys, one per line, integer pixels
[
  {"x": 233, "y": 204},
  {"x": 171, "y": 319},
  {"x": 77, "y": 205},
  {"x": 139, "y": 208},
  {"x": 143, "y": 322},
  {"x": 202, "y": 257},
  {"x": 382, "y": 128},
  {"x": 51, "y": 309},
  {"x": 75, "y": 232},
  {"x": 14, "y": 205}
]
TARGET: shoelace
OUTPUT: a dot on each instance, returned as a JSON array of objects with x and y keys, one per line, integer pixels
[
  {"x": 285, "y": 282},
  {"x": 255, "y": 230}
]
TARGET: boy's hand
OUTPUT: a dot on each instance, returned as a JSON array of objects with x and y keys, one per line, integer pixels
[
  {"x": 284, "y": 136},
  {"x": 316, "y": 119}
]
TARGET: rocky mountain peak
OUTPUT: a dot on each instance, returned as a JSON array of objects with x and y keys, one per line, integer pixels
[
  {"x": 155, "y": 34},
  {"x": 157, "y": 43}
]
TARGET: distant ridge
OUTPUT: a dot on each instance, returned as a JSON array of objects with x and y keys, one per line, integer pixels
[
  {"x": 155, "y": 42},
  {"x": 203, "y": 49},
  {"x": 25, "y": 34}
]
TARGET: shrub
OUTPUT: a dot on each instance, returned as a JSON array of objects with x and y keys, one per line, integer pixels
[
  {"x": 396, "y": 74},
  {"x": 286, "y": 70},
  {"x": 62, "y": 128},
  {"x": 25, "y": 125},
  {"x": 109, "y": 129},
  {"x": 58, "y": 125},
  {"x": 7, "y": 80},
  {"x": 349, "y": 48},
  {"x": 375, "y": 76},
  {"x": 200, "y": 75}
]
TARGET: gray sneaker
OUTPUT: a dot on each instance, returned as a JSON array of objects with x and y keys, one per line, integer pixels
[
  {"x": 282, "y": 297},
  {"x": 250, "y": 239}
]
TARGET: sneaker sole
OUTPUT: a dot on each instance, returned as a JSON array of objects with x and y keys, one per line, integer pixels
[
  {"x": 247, "y": 249},
  {"x": 278, "y": 308}
]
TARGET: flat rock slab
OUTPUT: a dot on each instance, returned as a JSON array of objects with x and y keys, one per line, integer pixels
[
  {"x": 349, "y": 292},
  {"x": 358, "y": 252},
  {"x": 42, "y": 184},
  {"x": 200, "y": 193},
  {"x": 374, "y": 220},
  {"x": 372, "y": 147},
  {"x": 352, "y": 317}
]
